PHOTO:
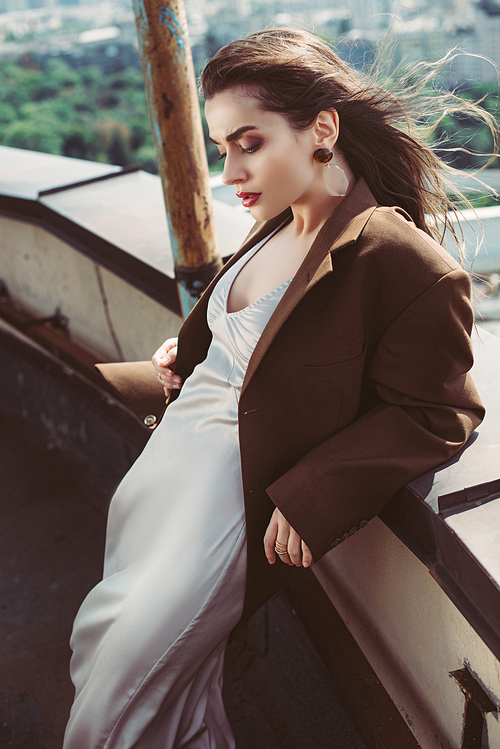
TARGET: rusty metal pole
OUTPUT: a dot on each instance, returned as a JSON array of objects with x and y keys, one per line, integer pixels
[{"x": 176, "y": 124}]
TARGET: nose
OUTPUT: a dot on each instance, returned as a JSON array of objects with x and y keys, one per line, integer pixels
[{"x": 233, "y": 173}]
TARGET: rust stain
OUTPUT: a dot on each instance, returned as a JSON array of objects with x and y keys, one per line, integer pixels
[{"x": 168, "y": 106}]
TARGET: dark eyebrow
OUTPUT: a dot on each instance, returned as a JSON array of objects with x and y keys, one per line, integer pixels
[{"x": 236, "y": 134}]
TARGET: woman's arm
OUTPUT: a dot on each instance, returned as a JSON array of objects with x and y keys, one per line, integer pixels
[{"x": 428, "y": 407}]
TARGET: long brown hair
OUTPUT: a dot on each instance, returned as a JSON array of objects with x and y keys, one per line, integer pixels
[{"x": 295, "y": 74}]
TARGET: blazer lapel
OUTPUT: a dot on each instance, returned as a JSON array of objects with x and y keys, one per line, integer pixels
[
  {"x": 342, "y": 228},
  {"x": 195, "y": 325}
]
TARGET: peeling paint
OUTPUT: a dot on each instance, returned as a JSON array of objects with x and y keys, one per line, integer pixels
[
  {"x": 174, "y": 241},
  {"x": 141, "y": 18},
  {"x": 157, "y": 132},
  {"x": 168, "y": 18}
]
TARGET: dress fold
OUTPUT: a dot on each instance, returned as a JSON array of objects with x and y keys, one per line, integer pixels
[{"x": 148, "y": 641}]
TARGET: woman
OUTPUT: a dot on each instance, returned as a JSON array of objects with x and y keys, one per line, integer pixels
[{"x": 325, "y": 367}]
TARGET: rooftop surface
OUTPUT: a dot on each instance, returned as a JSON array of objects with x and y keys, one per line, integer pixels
[
  {"x": 277, "y": 693},
  {"x": 125, "y": 208}
]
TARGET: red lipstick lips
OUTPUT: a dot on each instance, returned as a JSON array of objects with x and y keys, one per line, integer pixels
[{"x": 248, "y": 198}]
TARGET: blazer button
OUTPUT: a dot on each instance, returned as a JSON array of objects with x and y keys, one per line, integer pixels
[
  {"x": 363, "y": 524},
  {"x": 150, "y": 421},
  {"x": 336, "y": 542},
  {"x": 353, "y": 530},
  {"x": 344, "y": 537}
]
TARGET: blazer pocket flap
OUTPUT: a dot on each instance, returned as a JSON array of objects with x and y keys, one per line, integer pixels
[
  {"x": 330, "y": 373},
  {"x": 136, "y": 385}
]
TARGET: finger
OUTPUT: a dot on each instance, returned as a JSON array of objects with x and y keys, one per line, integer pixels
[
  {"x": 167, "y": 353},
  {"x": 281, "y": 542},
  {"x": 159, "y": 352},
  {"x": 174, "y": 382},
  {"x": 285, "y": 558},
  {"x": 158, "y": 356},
  {"x": 169, "y": 357},
  {"x": 294, "y": 548},
  {"x": 169, "y": 346},
  {"x": 162, "y": 362},
  {"x": 170, "y": 343},
  {"x": 306, "y": 555},
  {"x": 269, "y": 541},
  {"x": 281, "y": 547},
  {"x": 169, "y": 379}
]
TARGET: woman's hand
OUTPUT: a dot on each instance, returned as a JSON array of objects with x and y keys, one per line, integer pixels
[
  {"x": 162, "y": 360},
  {"x": 280, "y": 534}
]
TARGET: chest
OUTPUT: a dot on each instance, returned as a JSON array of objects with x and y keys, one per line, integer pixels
[{"x": 276, "y": 262}]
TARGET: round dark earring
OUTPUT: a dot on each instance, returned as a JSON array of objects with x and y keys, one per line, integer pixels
[
  {"x": 332, "y": 173},
  {"x": 323, "y": 155}
]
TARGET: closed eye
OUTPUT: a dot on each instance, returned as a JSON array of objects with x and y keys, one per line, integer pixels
[{"x": 251, "y": 149}]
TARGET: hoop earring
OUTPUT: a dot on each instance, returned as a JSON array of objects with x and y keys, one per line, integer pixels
[{"x": 330, "y": 176}]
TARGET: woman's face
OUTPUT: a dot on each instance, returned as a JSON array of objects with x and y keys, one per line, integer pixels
[{"x": 270, "y": 164}]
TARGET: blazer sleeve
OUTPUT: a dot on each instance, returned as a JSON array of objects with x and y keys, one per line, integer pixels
[
  {"x": 136, "y": 385},
  {"x": 428, "y": 406}
]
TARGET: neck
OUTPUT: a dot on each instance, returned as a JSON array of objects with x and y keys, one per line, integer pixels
[
  {"x": 310, "y": 214},
  {"x": 308, "y": 218}
]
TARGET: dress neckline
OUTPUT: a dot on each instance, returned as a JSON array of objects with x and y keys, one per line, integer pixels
[
  {"x": 257, "y": 301},
  {"x": 253, "y": 251}
]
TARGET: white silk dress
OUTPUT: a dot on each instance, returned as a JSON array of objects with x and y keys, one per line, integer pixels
[{"x": 148, "y": 642}]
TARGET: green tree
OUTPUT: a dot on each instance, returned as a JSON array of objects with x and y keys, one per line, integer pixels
[
  {"x": 35, "y": 135},
  {"x": 7, "y": 114},
  {"x": 463, "y": 141}
]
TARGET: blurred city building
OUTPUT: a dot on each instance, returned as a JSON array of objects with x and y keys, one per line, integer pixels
[{"x": 418, "y": 29}]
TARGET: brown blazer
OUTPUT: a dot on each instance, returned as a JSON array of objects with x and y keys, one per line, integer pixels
[{"x": 358, "y": 384}]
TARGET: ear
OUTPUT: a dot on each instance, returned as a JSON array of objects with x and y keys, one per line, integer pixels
[{"x": 326, "y": 128}]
